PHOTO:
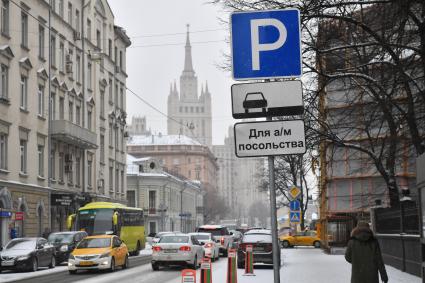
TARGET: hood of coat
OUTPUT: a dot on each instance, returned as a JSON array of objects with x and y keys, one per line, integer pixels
[{"x": 362, "y": 234}]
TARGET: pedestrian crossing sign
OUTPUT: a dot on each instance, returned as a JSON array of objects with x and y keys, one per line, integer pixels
[{"x": 295, "y": 216}]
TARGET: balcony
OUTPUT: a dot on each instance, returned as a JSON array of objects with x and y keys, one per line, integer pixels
[{"x": 73, "y": 134}]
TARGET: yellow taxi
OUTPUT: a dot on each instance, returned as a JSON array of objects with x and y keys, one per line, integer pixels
[
  {"x": 98, "y": 252},
  {"x": 304, "y": 238}
]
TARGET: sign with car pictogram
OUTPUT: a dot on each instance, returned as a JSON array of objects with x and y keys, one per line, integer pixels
[
  {"x": 252, "y": 100},
  {"x": 269, "y": 138}
]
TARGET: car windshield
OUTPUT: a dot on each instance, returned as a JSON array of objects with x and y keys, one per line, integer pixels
[
  {"x": 174, "y": 239},
  {"x": 213, "y": 231},
  {"x": 60, "y": 238},
  {"x": 21, "y": 244},
  {"x": 95, "y": 221},
  {"x": 257, "y": 238},
  {"x": 201, "y": 237},
  {"x": 94, "y": 243}
]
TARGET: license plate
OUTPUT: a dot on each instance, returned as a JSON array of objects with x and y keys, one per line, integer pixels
[
  {"x": 7, "y": 263},
  {"x": 86, "y": 263},
  {"x": 170, "y": 251}
]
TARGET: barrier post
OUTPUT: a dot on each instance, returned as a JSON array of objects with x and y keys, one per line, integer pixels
[
  {"x": 206, "y": 272},
  {"x": 188, "y": 276},
  {"x": 232, "y": 276},
  {"x": 249, "y": 261}
]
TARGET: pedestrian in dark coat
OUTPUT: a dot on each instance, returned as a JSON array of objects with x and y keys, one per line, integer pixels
[{"x": 365, "y": 256}]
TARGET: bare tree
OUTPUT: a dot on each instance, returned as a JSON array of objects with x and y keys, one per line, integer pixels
[{"x": 214, "y": 206}]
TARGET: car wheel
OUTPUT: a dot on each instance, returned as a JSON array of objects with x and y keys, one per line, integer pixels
[
  {"x": 52, "y": 262},
  {"x": 34, "y": 266},
  {"x": 112, "y": 268},
  {"x": 285, "y": 244},
  {"x": 72, "y": 271},
  {"x": 155, "y": 266},
  {"x": 316, "y": 244},
  {"x": 126, "y": 263},
  {"x": 241, "y": 264}
]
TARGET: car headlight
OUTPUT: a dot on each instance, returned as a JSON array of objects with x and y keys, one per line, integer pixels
[
  {"x": 64, "y": 248},
  {"x": 22, "y": 257},
  {"x": 71, "y": 256},
  {"x": 105, "y": 255}
]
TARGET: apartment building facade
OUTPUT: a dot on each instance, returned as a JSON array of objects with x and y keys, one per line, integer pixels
[{"x": 62, "y": 111}]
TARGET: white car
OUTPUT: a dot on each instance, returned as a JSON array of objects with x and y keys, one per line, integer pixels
[
  {"x": 211, "y": 248},
  {"x": 177, "y": 249}
]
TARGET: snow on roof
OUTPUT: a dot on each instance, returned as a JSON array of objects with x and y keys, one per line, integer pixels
[{"x": 161, "y": 140}]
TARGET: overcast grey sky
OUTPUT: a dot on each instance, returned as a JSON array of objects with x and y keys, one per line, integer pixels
[{"x": 151, "y": 69}]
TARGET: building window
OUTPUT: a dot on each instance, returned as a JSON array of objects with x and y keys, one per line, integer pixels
[
  {"x": 122, "y": 181},
  {"x": 121, "y": 60},
  {"x": 111, "y": 135},
  {"x": 53, "y": 49},
  {"x": 110, "y": 91},
  {"x": 77, "y": 20},
  {"x": 40, "y": 98},
  {"x": 122, "y": 140},
  {"x": 116, "y": 94},
  {"x": 61, "y": 57},
  {"x": 116, "y": 55},
  {"x": 70, "y": 14},
  {"x": 116, "y": 139},
  {"x": 111, "y": 178},
  {"x": 53, "y": 5},
  {"x": 78, "y": 115},
  {"x": 24, "y": 92},
  {"x": 71, "y": 112},
  {"x": 4, "y": 81},
  {"x": 40, "y": 150},
  {"x": 3, "y": 151},
  {"x": 24, "y": 29},
  {"x": 52, "y": 164},
  {"x": 78, "y": 68},
  {"x": 102, "y": 148},
  {"x": 110, "y": 48},
  {"x": 89, "y": 120},
  {"x": 98, "y": 39},
  {"x": 5, "y": 17},
  {"x": 122, "y": 98},
  {"x": 88, "y": 29},
  {"x": 89, "y": 75},
  {"x": 41, "y": 41},
  {"x": 61, "y": 8},
  {"x": 117, "y": 180},
  {"x": 131, "y": 198},
  {"x": 89, "y": 172},
  {"x": 61, "y": 108},
  {"x": 69, "y": 164},
  {"x": 23, "y": 155},
  {"x": 152, "y": 202},
  {"x": 61, "y": 167},
  {"x": 102, "y": 103},
  {"x": 77, "y": 170}
]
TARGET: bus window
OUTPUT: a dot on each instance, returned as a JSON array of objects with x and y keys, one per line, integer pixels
[{"x": 95, "y": 221}]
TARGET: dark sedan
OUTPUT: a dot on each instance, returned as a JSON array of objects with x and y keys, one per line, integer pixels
[
  {"x": 262, "y": 247},
  {"x": 65, "y": 243},
  {"x": 27, "y": 254}
]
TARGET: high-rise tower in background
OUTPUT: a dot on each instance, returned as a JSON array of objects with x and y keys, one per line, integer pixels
[{"x": 190, "y": 114}]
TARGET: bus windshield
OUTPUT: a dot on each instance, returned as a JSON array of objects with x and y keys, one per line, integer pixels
[{"x": 95, "y": 221}]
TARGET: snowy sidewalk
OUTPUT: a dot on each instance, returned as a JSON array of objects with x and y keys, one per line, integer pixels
[{"x": 304, "y": 265}]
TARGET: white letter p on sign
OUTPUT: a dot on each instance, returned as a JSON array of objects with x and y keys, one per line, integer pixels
[{"x": 257, "y": 47}]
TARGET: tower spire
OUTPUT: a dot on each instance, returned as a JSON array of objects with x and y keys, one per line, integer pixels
[{"x": 188, "y": 67}]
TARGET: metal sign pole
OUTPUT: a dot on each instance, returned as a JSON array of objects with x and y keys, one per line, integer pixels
[{"x": 273, "y": 211}]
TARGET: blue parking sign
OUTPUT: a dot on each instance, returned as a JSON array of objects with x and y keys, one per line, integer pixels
[{"x": 266, "y": 44}]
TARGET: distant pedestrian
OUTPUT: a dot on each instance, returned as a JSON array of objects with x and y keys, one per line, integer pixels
[
  {"x": 365, "y": 256},
  {"x": 46, "y": 233},
  {"x": 12, "y": 232}
]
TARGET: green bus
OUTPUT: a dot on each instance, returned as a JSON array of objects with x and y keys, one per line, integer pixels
[{"x": 97, "y": 218}]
